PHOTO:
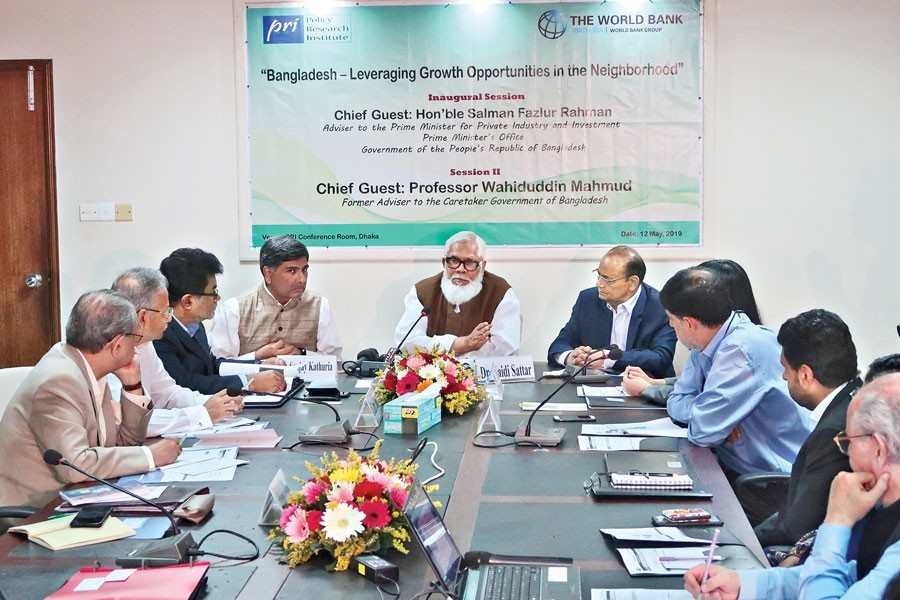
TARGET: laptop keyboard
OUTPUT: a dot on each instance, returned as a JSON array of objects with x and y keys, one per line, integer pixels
[{"x": 512, "y": 582}]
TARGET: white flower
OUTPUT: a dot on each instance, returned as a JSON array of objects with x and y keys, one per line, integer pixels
[
  {"x": 342, "y": 522},
  {"x": 429, "y": 372}
]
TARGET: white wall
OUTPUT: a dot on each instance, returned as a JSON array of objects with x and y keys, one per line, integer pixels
[{"x": 801, "y": 151}]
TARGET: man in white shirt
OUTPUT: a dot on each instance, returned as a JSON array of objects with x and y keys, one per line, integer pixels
[
  {"x": 819, "y": 360},
  {"x": 470, "y": 311},
  {"x": 621, "y": 310},
  {"x": 187, "y": 410},
  {"x": 280, "y": 316}
]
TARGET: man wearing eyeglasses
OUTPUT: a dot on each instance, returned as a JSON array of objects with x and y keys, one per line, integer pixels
[
  {"x": 819, "y": 360},
  {"x": 184, "y": 348},
  {"x": 857, "y": 547},
  {"x": 620, "y": 310},
  {"x": 178, "y": 408},
  {"x": 65, "y": 404},
  {"x": 471, "y": 311}
]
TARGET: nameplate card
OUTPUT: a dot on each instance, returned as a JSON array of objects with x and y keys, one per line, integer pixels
[
  {"x": 313, "y": 367},
  {"x": 507, "y": 368}
]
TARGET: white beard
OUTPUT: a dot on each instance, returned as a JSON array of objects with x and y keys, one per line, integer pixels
[{"x": 460, "y": 294}]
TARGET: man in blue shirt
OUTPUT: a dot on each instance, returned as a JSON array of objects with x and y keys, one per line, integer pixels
[
  {"x": 731, "y": 394},
  {"x": 857, "y": 548}
]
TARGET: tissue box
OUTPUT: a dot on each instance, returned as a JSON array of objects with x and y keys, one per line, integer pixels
[{"x": 411, "y": 414}]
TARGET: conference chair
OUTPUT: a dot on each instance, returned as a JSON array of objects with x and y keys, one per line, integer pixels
[
  {"x": 769, "y": 488},
  {"x": 10, "y": 380}
]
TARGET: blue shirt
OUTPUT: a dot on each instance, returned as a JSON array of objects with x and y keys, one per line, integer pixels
[
  {"x": 736, "y": 382},
  {"x": 826, "y": 574}
]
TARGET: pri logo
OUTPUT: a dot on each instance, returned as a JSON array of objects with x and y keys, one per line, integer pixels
[
  {"x": 552, "y": 24},
  {"x": 284, "y": 29}
]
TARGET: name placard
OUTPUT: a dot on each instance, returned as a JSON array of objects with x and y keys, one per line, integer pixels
[
  {"x": 508, "y": 368},
  {"x": 313, "y": 367}
]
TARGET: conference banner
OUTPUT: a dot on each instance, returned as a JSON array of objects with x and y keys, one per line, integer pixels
[{"x": 556, "y": 124}]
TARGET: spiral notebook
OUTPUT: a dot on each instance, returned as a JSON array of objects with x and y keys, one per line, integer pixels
[
  {"x": 643, "y": 480},
  {"x": 640, "y": 473}
]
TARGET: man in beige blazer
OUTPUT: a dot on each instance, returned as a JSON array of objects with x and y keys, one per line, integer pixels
[{"x": 64, "y": 404}]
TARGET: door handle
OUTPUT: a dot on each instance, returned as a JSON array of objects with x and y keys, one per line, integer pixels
[{"x": 34, "y": 280}]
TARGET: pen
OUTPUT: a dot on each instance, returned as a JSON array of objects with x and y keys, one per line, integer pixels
[
  {"x": 685, "y": 558},
  {"x": 709, "y": 559},
  {"x": 181, "y": 441}
]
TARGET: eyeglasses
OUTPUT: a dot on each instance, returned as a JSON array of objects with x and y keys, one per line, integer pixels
[
  {"x": 166, "y": 313},
  {"x": 212, "y": 294},
  {"x": 469, "y": 264},
  {"x": 137, "y": 337},
  {"x": 843, "y": 441},
  {"x": 605, "y": 279}
]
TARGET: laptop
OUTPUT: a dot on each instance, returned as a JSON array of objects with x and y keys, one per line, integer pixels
[{"x": 516, "y": 581}]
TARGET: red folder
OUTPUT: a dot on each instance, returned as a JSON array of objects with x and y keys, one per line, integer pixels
[{"x": 178, "y": 582}]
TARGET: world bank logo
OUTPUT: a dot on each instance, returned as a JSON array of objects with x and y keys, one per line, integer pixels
[{"x": 552, "y": 24}]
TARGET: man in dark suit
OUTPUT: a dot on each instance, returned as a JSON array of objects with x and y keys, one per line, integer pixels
[
  {"x": 819, "y": 359},
  {"x": 183, "y": 348},
  {"x": 620, "y": 310},
  {"x": 857, "y": 548}
]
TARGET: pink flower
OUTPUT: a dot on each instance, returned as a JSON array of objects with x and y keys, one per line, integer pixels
[
  {"x": 469, "y": 384},
  {"x": 312, "y": 490},
  {"x": 398, "y": 497},
  {"x": 296, "y": 528},
  {"x": 450, "y": 369},
  {"x": 314, "y": 519},
  {"x": 286, "y": 515},
  {"x": 377, "y": 513},
  {"x": 341, "y": 492},
  {"x": 414, "y": 362}
]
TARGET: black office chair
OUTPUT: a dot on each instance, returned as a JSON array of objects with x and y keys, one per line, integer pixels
[
  {"x": 16, "y": 512},
  {"x": 761, "y": 494}
]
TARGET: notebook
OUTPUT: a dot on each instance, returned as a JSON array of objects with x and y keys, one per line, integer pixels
[
  {"x": 558, "y": 582},
  {"x": 642, "y": 473}
]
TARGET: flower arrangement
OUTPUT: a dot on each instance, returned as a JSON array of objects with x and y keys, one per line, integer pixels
[
  {"x": 416, "y": 371},
  {"x": 349, "y": 506}
]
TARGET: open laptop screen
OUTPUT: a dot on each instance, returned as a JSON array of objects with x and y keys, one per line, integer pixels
[{"x": 433, "y": 536}]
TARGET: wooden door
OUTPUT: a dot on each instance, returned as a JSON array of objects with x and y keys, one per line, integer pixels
[{"x": 29, "y": 264}]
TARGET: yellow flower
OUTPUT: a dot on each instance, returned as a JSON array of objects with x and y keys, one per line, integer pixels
[{"x": 348, "y": 474}]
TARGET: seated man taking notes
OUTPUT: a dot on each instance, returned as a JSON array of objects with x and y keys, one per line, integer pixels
[
  {"x": 857, "y": 548},
  {"x": 280, "y": 316},
  {"x": 65, "y": 404},
  {"x": 622, "y": 310},
  {"x": 471, "y": 311}
]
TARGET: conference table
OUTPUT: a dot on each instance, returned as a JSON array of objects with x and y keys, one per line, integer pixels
[{"x": 504, "y": 500}]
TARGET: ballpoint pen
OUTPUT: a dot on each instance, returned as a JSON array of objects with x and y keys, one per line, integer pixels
[{"x": 709, "y": 559}]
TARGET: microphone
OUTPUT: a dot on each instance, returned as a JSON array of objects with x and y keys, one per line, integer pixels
[
  {"x": 474, "y": 559},
  {"x": 613, "y": 352},
  {"x": 163, "y": 553},
  {"x": 389, "y": 356},
  {"x": 553, "y": 436}
]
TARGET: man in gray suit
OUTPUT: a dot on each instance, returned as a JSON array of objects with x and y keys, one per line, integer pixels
[{"x": 64, "y": 404}]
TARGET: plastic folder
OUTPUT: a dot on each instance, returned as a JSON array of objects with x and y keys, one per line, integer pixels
[{"x": 178, "y": 582}]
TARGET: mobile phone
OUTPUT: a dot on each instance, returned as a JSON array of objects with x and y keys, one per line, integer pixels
[
  {"x": 574, "y": 418},
  {"x": 92, "y": 516}
]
